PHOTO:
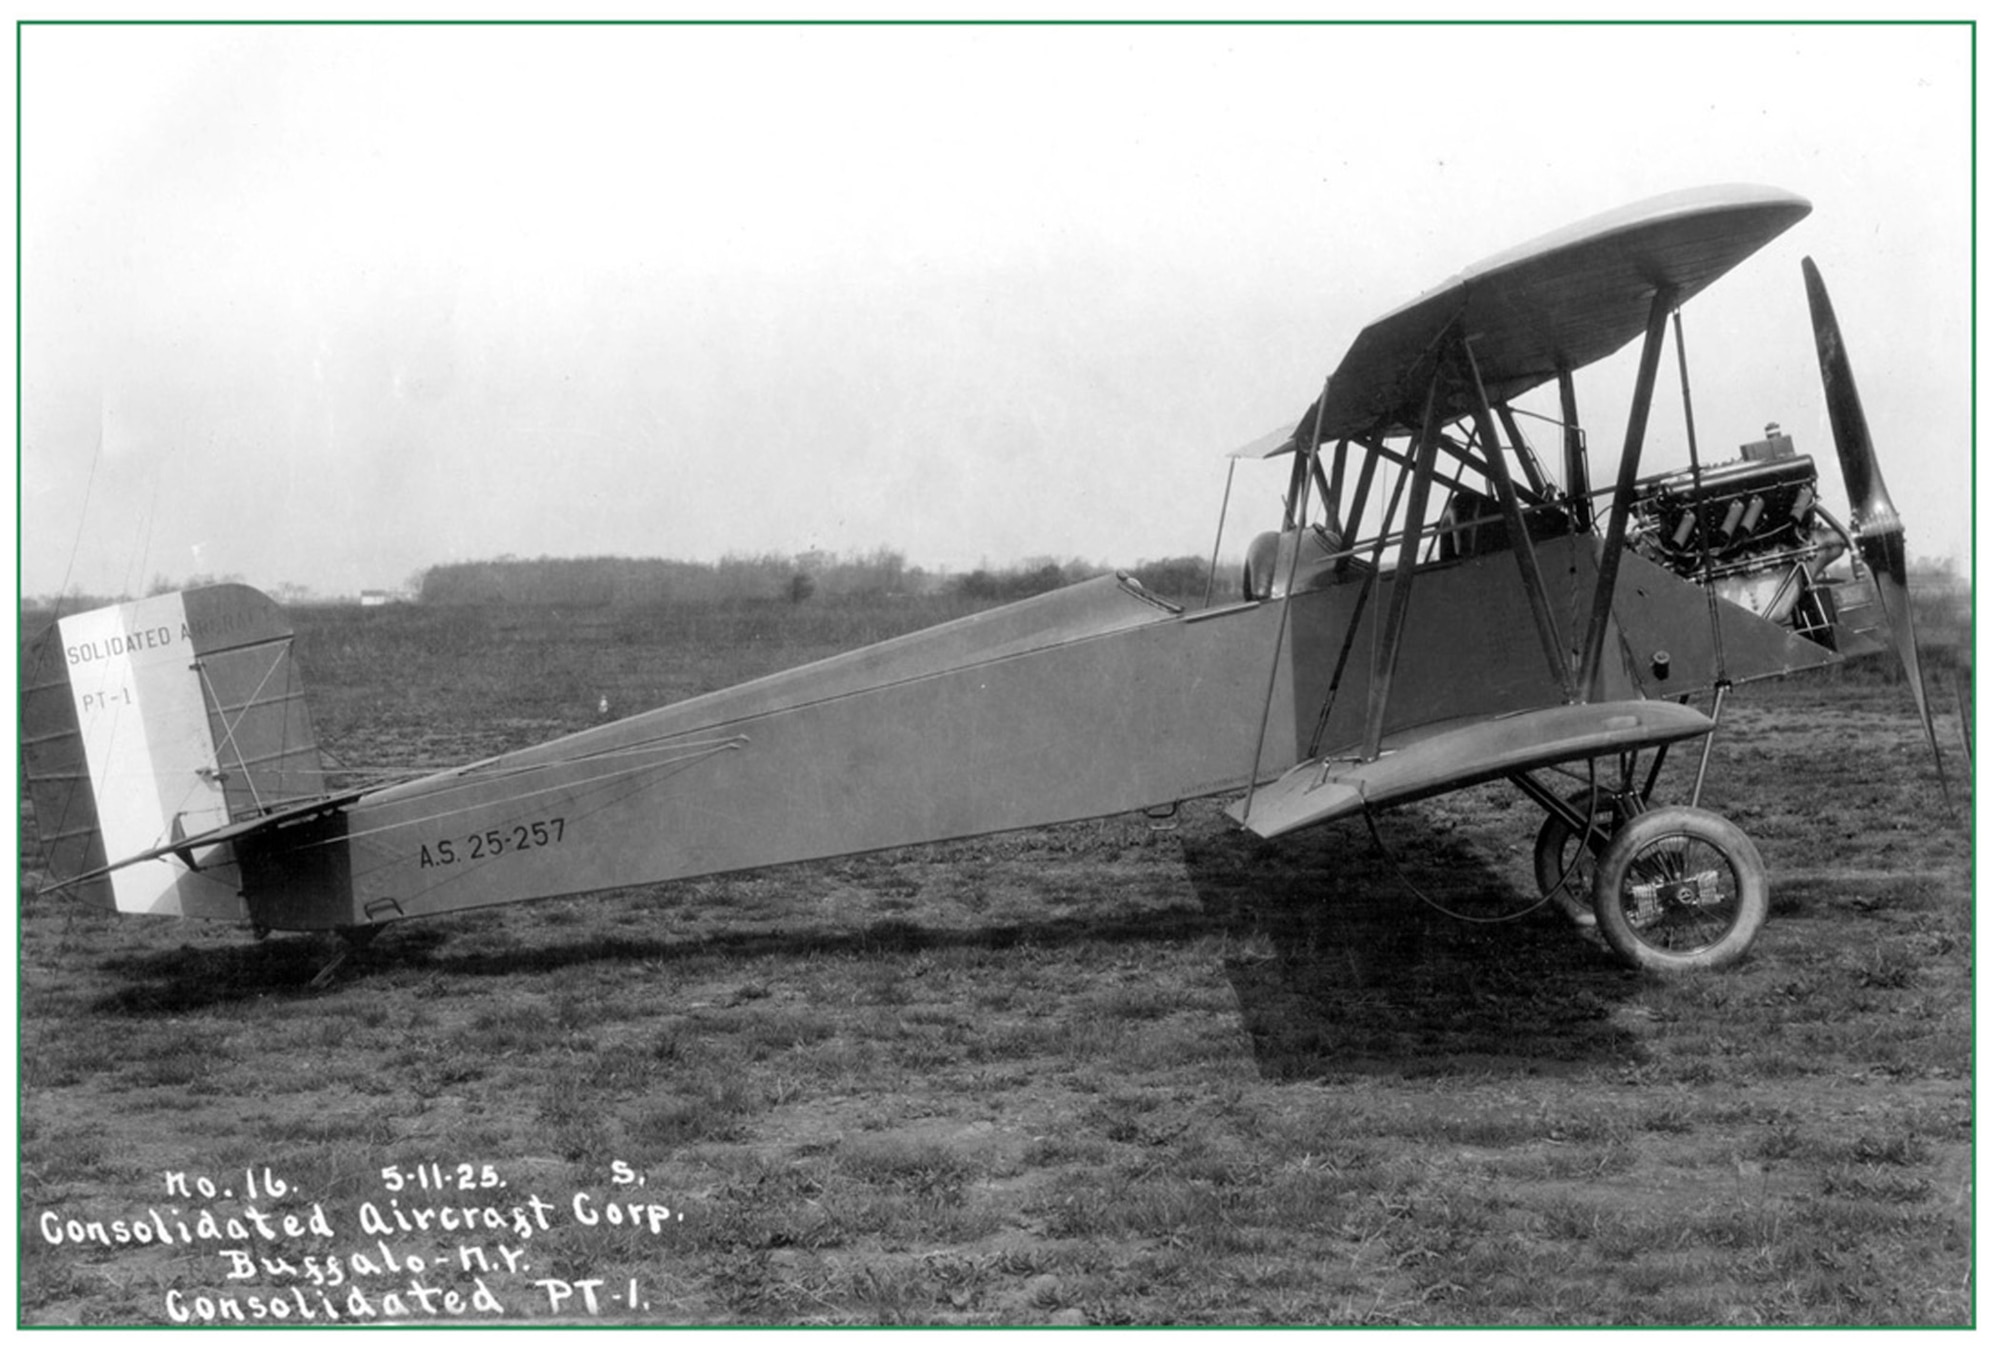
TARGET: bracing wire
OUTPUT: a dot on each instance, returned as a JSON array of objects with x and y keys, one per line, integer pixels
[
  {"x": 145, "y": 551},
  {"x": 83, "y": 515}
]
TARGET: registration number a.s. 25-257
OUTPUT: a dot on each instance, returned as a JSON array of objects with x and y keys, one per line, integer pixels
[{"x": 491, "y": 844}]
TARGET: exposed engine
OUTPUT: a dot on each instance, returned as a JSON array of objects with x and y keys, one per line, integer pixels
[{"x": 1755, "y": 528}]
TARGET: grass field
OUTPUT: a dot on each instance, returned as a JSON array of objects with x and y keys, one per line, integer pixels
[{"x": 1120, "y": 1072}]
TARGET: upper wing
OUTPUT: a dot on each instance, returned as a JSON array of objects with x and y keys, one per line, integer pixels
[
  {"x": 1561, "y": 301},
  {"x": 1280, "y": 440}
]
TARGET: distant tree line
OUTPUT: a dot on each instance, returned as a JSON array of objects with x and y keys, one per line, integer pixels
[
  {"x": 1177, "y": 578},
  {"x": 621, "y": 582},
  {"x": 597, "y": 582}
]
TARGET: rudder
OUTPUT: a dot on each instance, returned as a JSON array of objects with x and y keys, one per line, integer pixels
[{"x": 148, "y": 722}]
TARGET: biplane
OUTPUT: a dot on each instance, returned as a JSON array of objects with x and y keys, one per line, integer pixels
[{"x": 1434, "y": 609}]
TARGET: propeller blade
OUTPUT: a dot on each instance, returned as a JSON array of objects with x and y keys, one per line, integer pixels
[
  {"x": 1892, "y": 584},
  {"x": 1874, "y": 512},
  {"x": 1878, "y": 530}
]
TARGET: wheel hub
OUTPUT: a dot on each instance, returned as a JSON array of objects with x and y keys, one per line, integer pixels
[{"x": 1652, "y": 901}]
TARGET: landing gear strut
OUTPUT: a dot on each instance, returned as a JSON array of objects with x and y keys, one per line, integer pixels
[{"x": 1671, "y": 889}]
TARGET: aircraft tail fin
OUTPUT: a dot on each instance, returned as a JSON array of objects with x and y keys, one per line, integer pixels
[{"x": 149, "y": 723}]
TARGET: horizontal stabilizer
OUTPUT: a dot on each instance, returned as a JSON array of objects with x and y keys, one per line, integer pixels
[
  {"x": 1453, "y": 754},
  {"x": 184, "y": 847}
]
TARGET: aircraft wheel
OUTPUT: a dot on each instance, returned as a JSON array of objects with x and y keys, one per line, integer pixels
[
  {"x": 1556, "y": 851},
  {"x": 1680, "y": 888}
]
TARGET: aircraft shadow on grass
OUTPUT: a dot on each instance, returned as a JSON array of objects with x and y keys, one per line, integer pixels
[
  {"x": 196, "y": 979},
  {"x": 1338, "y": 969},
  {"x": 1361, "y": 977}
]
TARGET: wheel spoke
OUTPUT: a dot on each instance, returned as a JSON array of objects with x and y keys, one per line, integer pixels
[
  {"x": 1680, "y": 888},
  {"x": 1683, "y": 893}
]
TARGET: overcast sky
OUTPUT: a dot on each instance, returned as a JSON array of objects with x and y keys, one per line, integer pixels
[{"x": 328, "y": 305}]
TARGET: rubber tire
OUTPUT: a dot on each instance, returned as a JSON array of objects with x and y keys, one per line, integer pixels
[
  {"x": 1555, "y": 850},
  {"x": 1628, "y": 846}
]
